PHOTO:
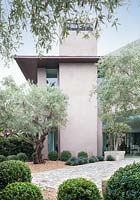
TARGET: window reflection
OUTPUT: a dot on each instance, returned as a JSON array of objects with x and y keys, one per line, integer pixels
[{"x": 52, "y": 77}]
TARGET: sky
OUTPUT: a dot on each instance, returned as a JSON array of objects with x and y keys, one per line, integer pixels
[{"x": 110, "y": 39}]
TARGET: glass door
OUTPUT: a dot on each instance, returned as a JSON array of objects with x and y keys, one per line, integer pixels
[{"x": 53, "y": 140}]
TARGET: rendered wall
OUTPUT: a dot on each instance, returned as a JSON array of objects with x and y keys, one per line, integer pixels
[
  {"x": 80, "y": 133},
  {"x": 99, "y": 138},
  {"x": 41, "y": 80},
  {"x": 76, "y": 45}
]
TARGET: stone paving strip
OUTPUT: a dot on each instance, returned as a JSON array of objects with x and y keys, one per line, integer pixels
[{"x": 94, "y": 171}]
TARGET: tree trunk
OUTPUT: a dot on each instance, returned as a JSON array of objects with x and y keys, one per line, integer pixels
[
  {"x": 38, "y": 147},
  {"x": 116, "y": 144}
]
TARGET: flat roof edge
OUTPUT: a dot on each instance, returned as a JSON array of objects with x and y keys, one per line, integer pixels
[{"x": 64, "y": 57}]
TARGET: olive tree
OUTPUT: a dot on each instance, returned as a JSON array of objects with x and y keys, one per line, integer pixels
[
  {"x": 42, "y": 17},
  {"x": 31, "y": 111},
  {"x": 119, "y": 88}
]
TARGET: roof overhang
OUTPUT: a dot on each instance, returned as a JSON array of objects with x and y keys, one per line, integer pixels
[{"x": 29, "y": 64}]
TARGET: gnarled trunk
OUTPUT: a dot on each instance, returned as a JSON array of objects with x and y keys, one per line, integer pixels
[{"x": 38, "y": 147}]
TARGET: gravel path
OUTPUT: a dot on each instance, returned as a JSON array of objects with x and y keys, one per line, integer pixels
[{"x": 94, "y": 171}]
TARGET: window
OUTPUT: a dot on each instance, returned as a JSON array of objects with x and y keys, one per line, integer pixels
[
  {"x": 53, "y": 140},
  {"x": 52, "y": 76}
]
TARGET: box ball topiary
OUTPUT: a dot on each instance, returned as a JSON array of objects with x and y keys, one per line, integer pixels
[
  {"x": 110, "y": 158},
  {"x": 65, "y": 155},
  {"x": 53, "y": 155},
  {"x": 93, "y": 159},
  {"x": 13, "y": 171},
  {"x": 124, "y": 184},
  {"x": 2, "y": 158},
  {"x": 82, "y": 154},
  {"x": 22, "y": 156},
  {"x": 78, "y": 189},
  {"x": 12, "y": 157},
  {"x": 21, "y": 191}
]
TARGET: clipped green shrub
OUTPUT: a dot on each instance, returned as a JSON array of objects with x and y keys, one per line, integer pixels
[
  {"x": 65, "y": 155},
  {"x": 82, "y": 160},
  {"x": 22, "y": 156},
  {"x": 72, "y": 161},
  {"x": 100, "y": 158},
  {"x": 21, "y": 191},
  {"x": 82, "y": 154},
  {"x": 93, "y": 159},
  {"x": 110, "y": 158},
  {"x": 12, "y": 157},
  {"x": 53, "y": 155},
  {"x": 78, "y": 189},
  {"x": 13, "y": 145},
  {"x": 2, "y": 158},
  {"x": 13, "y": 171},
  {"x": 124, "y": 184}
]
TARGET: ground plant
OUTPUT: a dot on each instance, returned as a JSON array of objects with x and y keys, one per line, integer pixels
[
  {"x": 2, "y": 158},
  {"x": 82, "y": 161},
  {"x": 124, "y": 184},
  {"x": 110, "y": 158},
  {"x": 13, "y": 171},
  {"x": 72, "y": 161},
  {"x": 100, "y": 158},
  {"x": 78, "y": 188},
  {"x": 22, "y": 156},
  {"x": 53, "y": 155},
  {"x": 12, "y": 157},
  {"x": 12, "y": 145},
  {"x": 21, "y": 191},
  {"x": 93, "y": 159},
  {"x": 82, "y": 154},
  {"x": 65, "y": 155}
]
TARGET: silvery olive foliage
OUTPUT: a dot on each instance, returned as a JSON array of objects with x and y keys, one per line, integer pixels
[
  {"x": 42, "y": 17},
  {"x": 119, "y": 88},
  {"x": 30, "y": 111}
]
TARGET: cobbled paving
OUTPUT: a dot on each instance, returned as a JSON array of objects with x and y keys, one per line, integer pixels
[{"x": 94, "y": 171}]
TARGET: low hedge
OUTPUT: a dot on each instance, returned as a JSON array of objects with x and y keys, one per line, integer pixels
[
  {"x": 22, "y": 156},
  {"x": 13, "y": 171},
  {"x": 93, "y": 159},
  {"x": 110, "y": 158},
  {"x": 53, "y": 155},
  {"x": 2, "y": 158},
  {"x": 78, "y": 188},
  {"x": 82, "y": 154},
  {"x": 12, "y": 157},
  {"x": 13, "y": 145},
  {"x": 124, "y": 184},
  {"x": 100, "y": 158},
  {"x": 65, "y": 155},
  {"x": 21, "y": 191}
]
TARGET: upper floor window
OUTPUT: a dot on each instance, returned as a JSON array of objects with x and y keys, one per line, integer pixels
[
  {"x": 52, "y": 76},
  {"x": 80, "y": 27}
]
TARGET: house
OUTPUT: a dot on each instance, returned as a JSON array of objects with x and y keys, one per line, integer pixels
[{"x": 75, "y": 72}]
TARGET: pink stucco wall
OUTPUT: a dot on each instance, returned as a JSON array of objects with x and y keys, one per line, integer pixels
[
  {"x": 41, "y": 80},
  {"x": 77, "y": 45},
  {"x": 80, "y": 133}
]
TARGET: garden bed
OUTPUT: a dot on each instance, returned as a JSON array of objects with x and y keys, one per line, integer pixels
[{"x": 48, "y": 165}]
